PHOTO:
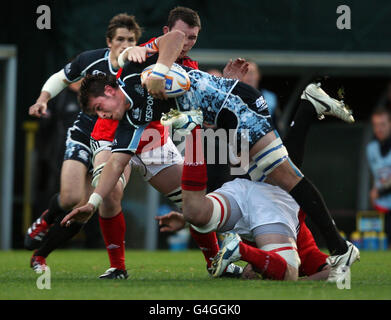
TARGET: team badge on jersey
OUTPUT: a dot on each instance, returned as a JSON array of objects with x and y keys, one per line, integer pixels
[{"x": 261, "y": 103}]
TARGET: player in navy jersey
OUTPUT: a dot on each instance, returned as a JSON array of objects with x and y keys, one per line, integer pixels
[
  {"x": 122, "y": 32},
  {"x": 230, "y": 105}
]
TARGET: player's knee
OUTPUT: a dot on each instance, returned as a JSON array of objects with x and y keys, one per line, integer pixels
[
  {"x": 113, "y": 200},
  {"x": 273, "y": 163},
  {"x": 215, "y": 214},
  {"x": 284, "y": 176},
  {"x": 69, "y": 199}
]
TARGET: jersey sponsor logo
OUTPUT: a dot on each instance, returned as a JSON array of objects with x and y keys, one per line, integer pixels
[
  {"x": 149, "y": 109},
  {"x": 261, "y": 103},
  {"x": 96, "y": 72}
]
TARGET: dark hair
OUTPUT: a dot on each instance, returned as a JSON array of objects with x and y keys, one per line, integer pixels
[
  {"x": 379, "y": 110},
  {"x": 123, "y": 20},
  {"x": 187, "y": 15},
  {"x": 94, "y": 86}
]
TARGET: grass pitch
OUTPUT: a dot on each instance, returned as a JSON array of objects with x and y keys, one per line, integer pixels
[{"x": 175, "y": 276}]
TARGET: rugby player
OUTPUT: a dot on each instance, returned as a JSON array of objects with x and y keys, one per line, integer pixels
[
  {"x": 163, "y": 173},
  {"x": 227, "y": 103},
  {"x": 187, "y": 21},
  {"x": 272, "y": 217}
]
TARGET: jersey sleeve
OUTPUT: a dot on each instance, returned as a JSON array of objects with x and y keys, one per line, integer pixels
[
  {"x": 135, "y": 67},
  {"x": 127, "y": 137},
  {"x": 75, "y": 69}
]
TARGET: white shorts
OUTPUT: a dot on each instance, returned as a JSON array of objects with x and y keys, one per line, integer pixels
[
  {"x": 150, "y": 163},
  {"x": 261, "y": 204}
]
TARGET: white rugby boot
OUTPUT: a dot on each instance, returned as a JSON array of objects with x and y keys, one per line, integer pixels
[
  {"x": 227, "y": 254},
  {"x": 182, "y": 121},
  {"x": 341, "y": 263},
  {"x": 325, "y": 105}
]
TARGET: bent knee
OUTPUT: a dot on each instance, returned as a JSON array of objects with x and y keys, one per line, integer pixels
[{"x": 69, "y": 200}]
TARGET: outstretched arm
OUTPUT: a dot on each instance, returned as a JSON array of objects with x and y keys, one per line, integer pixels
[{"x": 53, "y": 86}]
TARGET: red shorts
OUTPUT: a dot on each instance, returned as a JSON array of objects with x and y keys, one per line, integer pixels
[{"x": 104, "y": 129}]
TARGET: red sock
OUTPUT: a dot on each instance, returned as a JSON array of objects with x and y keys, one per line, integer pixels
[
  {"x": 269, "y": 264},
  {"x": 194, "y": 175},
  {"x": 113, "y": 231},
  {"x": 207, "y": 242}
]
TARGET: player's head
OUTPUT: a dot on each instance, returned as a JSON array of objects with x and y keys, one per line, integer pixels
[
  {"x": 253, "y": 75},
  {"x": 187, "y": 21},
  {"x": 381, "y": 123},
  {"x": 123, "y": 31},
  {"x": 99, "y": 94}
]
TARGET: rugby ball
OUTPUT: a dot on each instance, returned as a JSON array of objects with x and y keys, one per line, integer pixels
[{"x": 177, "y": 80}]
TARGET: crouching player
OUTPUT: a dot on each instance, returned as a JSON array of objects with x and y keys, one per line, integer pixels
[{"x": 242, "y": 205}]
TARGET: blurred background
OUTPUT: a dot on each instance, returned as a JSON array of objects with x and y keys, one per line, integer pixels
[{"x": 291, "y": 42}]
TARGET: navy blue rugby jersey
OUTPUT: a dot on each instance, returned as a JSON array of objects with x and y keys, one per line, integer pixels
[{"x": 88, "y": 62}]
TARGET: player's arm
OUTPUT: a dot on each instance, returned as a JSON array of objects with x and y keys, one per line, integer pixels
[
  {"x": 53, "y": 86},
  {"x": 170, "y": 46}
]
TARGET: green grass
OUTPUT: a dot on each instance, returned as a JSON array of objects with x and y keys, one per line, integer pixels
[{"x": 175, "y": 276}]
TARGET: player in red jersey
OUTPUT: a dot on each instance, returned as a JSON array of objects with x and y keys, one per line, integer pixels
[{"x": 312, "y": 262}]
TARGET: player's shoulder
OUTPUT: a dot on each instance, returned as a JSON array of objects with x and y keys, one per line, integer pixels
[{"x": 93, "y": 55}]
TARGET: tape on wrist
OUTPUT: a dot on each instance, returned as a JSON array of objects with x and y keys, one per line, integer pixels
[
  {"x": 95, "y": 199},
  {"x": 121, "y": 61},
  {"x": 160, "y": 70}
]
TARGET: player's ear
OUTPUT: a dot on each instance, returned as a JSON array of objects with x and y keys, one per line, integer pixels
[
  {"x": 166, "y": 29},
  {"x": 108, "y": 42},
  {"x": 109, "y": 91}
]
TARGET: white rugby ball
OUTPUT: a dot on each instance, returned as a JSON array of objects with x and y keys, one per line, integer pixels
[{"x": 177, "y": 80}]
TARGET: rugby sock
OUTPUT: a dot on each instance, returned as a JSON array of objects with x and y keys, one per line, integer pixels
[
  {"x": 311, "y": 202},
  {"x": 57, "y": 236},
  {"x": 208, "y": 244},
  {"x": 268, "y": 263},
  {"x": 296, "y": 136},
  {"x": 113, "y": 231},
  {"x": 194, "y": 178},
  {"x": 194, "y": 174},
  {"x": 54, "y": 210}
]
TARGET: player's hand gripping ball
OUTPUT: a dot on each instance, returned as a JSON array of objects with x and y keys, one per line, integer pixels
[{"x": 177, "y": 81}]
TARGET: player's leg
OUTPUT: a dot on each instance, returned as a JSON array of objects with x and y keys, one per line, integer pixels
[
  {"x": 111, "y": 219},
  {"x": 275, "y": 256},
  {"x": 272, "y": 161},
  {"x": 166, "y": 178},
  {"x": 313, "y": 262},
  {"x": 73, "y": 187}
]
